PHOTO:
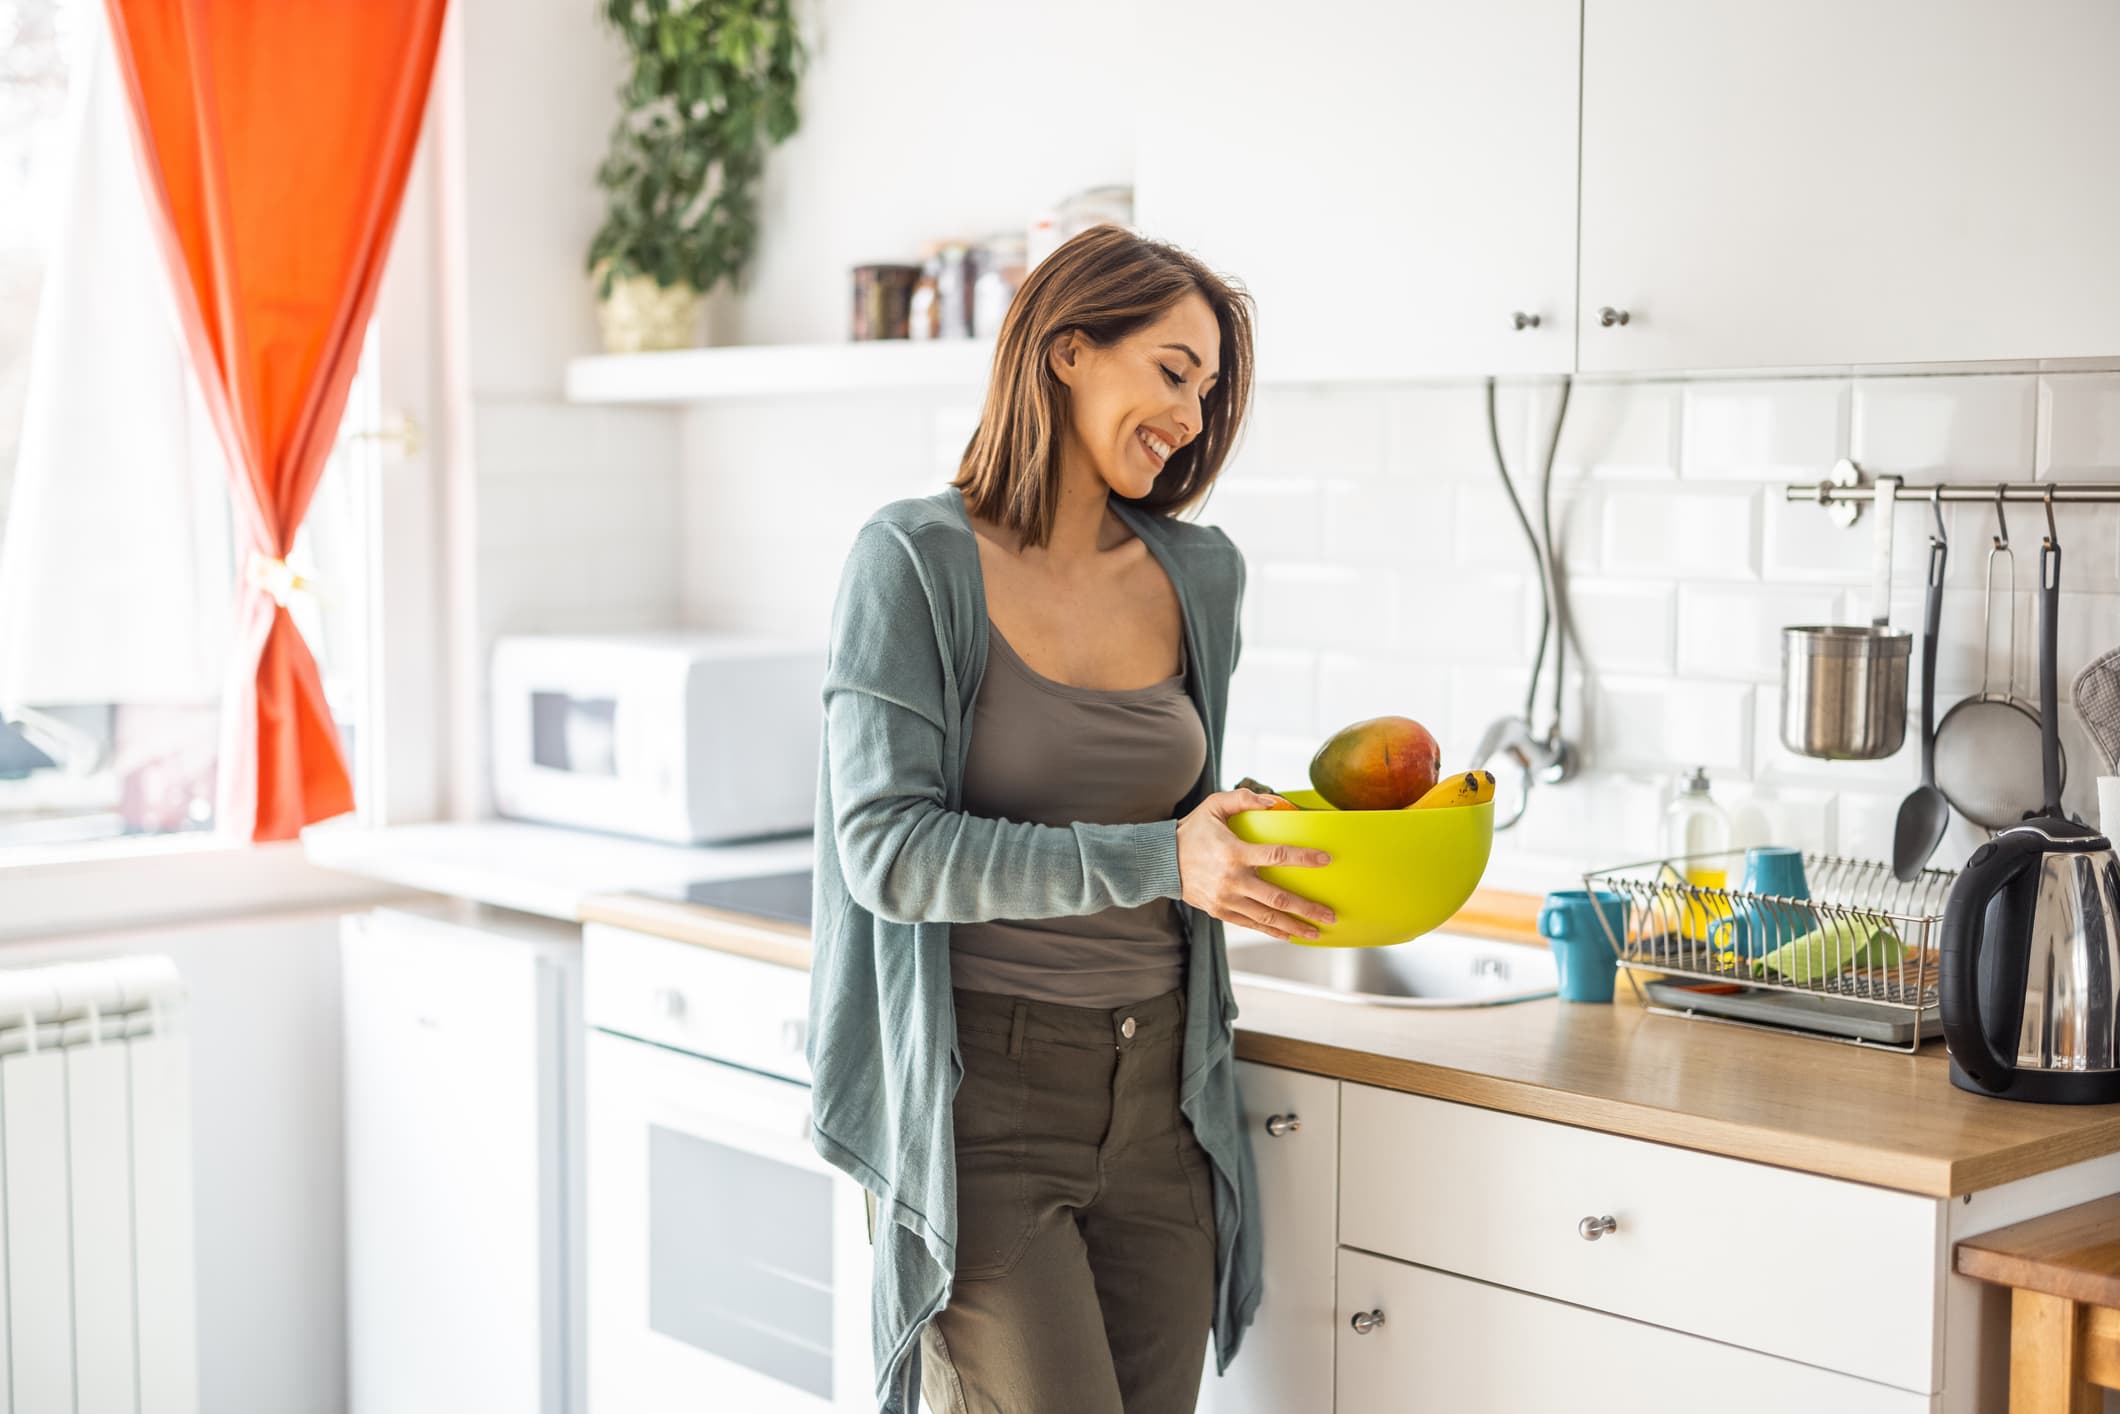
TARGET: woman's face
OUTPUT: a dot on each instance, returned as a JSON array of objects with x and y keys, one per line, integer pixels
[{"x": 1135, "y": 403}]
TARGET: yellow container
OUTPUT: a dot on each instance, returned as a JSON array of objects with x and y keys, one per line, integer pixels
[{"x": 1395, "y": 874}]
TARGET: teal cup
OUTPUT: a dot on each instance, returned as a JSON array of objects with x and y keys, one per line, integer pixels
[
  {"x": 1756, "y": 929},
  {"x": 1573, "y": 923}
]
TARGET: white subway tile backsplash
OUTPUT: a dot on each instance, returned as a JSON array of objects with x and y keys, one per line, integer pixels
[
  {"x": 1792, "y": 430},
  {"x": 1801, "y": 543},
  {"x": 1354, "y": 689},
  {"x": 1441, "y": 433},
  {"x": 1735, "y": 632},
  {"x": 1480, "y": 697},
  {"x": 1466, "y": 618},
  {"x": 1654, "y": 724},
  {"x": 1271, "y": 519},
  {"x": 1323, "y": 608},
  {"x": 2079, "y": 427},
  {"x": 1971, "y": 428},
  {"x": 1405, "y": 520},
  {"x": 1681, "y": 532},
  {"x": 1623, "y": 626},
  {"x": 1616, "y": 429},
  {"x": 1316, "y": 432},
  {"x": 1275, "y": 690}
]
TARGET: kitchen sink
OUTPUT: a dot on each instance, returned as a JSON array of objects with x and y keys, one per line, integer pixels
[{"x": 1438, "y": 970}]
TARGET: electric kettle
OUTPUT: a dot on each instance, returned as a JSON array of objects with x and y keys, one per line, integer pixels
[{"x": 2029, "y": 980}]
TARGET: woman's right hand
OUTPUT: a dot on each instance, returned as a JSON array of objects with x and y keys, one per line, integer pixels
[{"x": 1217, "y": 872}]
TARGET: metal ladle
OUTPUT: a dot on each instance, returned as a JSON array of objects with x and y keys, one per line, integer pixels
[{"x": 1924, "y": 815}]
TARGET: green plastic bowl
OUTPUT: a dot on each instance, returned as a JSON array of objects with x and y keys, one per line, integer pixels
[{"x": 1395, "y": 874}]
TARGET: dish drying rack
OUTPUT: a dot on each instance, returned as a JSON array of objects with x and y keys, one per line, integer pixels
[{"x": 1669, "y": 946}]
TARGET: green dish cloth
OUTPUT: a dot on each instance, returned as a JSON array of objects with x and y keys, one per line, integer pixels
[{"x": 1841, "y": 944}]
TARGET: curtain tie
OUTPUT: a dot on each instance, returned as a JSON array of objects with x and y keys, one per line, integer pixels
[{"x": 275, "y": 577}]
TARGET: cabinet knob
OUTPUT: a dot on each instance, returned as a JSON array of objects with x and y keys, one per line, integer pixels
[
  {"x": 670, "y": 1002},
  {"x": 1594, "y": 1228},
  {"x": 1608, "y": 316},
  {"x": 1366, "y": 1321},
  {"x": 1526, "y": 321},
  {"x": 1278, "y": 1125}
]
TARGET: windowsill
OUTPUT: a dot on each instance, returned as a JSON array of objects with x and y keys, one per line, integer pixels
[{"x": 150, "y": 881}]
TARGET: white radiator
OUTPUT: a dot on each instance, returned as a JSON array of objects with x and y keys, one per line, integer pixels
[{"x": 97, "y": 1303}]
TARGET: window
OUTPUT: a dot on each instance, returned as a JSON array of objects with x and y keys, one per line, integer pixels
[{"x": 117, "y": 571}]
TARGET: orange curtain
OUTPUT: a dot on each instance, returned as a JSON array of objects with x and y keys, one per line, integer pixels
[{"x": 274, "y": 139}]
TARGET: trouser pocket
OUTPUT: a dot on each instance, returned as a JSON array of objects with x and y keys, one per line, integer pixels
[{"x": 993, "y": 1199}]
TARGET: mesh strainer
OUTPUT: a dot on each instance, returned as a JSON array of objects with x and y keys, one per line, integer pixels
[
  {"x": 1988, "y": 762},
  {"x": 2098, "y": 704}
]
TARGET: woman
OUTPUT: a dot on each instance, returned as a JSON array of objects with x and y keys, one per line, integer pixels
[{"x": 1021, "y": 1017}]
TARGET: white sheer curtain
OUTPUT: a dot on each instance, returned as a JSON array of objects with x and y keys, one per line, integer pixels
[{"x": 115, "y": 573}]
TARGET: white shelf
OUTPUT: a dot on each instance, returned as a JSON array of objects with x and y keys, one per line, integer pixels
[{"x": 764, "y": 370}]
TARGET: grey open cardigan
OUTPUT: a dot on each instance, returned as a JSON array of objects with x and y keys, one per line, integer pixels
[{"x": 898, "y": 861}]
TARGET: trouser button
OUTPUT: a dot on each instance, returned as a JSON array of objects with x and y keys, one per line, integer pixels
[{"x": 1126, "y": 1027}]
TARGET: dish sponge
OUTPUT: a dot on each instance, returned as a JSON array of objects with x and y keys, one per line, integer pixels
[{"x": 1839, "y": 945}]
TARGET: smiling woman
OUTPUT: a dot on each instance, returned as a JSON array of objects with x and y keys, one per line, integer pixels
[{"x": 1022, "y": 1034}]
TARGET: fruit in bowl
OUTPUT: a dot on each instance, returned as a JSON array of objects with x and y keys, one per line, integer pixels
[
  {"x": 1408, "y": 844},
  {"x": 1383, "y": 763}
]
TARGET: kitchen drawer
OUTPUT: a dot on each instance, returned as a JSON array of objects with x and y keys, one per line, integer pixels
[
  {"x": 697, "y": 999},
  {"x": 1450, "y": 1343},
  {"x": 1832, "y": 1273}
]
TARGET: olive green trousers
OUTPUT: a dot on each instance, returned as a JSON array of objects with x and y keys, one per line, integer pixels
[{"x": 1085, "y": 1216}]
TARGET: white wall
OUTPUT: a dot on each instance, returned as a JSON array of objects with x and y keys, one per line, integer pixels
[
  {"x": 1388, "y": 576},
  {"x": 927, "y": 119},
  {"x": 266, "y": 1136}
]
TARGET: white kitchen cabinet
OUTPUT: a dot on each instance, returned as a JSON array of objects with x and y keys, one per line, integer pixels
[
  {"x": 1286, "y": 1360},
  {"x": 1428, "y": 1340},
  {"x": 1770, "y": 183},
  {"x": 1758, "y": 1256},
  {"x": 463, "y": 1115},
  {"x": 1395, "y": 187}
]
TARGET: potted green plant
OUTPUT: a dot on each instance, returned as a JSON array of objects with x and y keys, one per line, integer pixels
[{"x": 712, "y": 85}]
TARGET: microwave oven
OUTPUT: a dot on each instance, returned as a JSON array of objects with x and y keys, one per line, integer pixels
[{"x": 687, "y": 737}]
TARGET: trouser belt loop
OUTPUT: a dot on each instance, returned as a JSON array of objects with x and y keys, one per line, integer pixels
[{"x": 1015, "y": 1027}]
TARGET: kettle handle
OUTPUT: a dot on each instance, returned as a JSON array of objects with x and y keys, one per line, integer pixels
[{"x": 1986, "y": 874}]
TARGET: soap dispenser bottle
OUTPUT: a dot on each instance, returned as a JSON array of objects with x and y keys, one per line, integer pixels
[{"x": 1697, "y": 840}]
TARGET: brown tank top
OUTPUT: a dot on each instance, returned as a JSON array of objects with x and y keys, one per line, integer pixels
[{"x": 1054, "y": 754}]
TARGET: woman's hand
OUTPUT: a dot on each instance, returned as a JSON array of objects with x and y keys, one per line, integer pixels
[{"x": 1217, "y": 872}]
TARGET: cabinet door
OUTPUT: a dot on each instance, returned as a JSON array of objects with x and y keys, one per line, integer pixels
[
  {"x": 1286, "y": 1359},
  {"x": 449, "y": 1146},
  {"x": 1775, "y": 183},
  {"x": 1446, "y": 1342},
  {"x": 1394, "y": 188}
]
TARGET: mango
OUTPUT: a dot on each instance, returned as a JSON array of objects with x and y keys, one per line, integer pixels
[{"x": 1383, "y": 763}]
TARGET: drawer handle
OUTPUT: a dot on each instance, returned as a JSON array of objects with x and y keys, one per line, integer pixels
[
  {"x": 1526, "y": 321},
  {"x": 1278, "y": 1125},
  {"x": 1594, "y": 1228},
  {"x": 670, "y": 1002},
  {"x": 1366, "y": 1321},
  {"x": 1608, "y": 316}
]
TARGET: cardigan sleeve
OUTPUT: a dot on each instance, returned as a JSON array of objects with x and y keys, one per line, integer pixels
[{"x": 904, "y": 854}]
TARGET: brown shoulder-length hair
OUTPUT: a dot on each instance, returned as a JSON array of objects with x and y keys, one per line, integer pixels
[{"x": 1106, "y": 282}]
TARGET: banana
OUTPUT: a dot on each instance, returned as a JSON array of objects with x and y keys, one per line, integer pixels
[{"x": 1464, "y": 788}]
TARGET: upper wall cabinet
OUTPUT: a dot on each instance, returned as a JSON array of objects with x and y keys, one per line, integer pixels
[
  {"x": 1779, "y": 183},
  {"x": 1395, "y": 184}
]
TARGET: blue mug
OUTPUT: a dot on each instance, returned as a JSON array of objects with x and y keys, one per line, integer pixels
[
  {"x": 1756, "y": 929},
  {"x": 1573, "y": 923}
]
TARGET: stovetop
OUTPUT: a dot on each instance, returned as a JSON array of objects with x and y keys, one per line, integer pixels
[{"x": 785, "y": 897}]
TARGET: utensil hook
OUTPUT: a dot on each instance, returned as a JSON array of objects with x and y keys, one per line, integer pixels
[
  {"x": 1943, "y": 537},
  {"x": 2053, "y": 535},
  {"x": 2002, "y": 520}
]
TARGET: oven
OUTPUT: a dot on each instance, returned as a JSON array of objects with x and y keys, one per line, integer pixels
[{"x": 728, "y": 1263}]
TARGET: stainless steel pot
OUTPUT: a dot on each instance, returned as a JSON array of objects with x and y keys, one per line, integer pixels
[{"x": 1844, "y": 687}]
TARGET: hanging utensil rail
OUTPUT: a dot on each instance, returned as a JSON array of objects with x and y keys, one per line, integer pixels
[{"x": 1845, "y": 492}]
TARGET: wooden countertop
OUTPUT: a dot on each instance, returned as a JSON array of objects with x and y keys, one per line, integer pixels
[{"x": 1849, "y": 1112}]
